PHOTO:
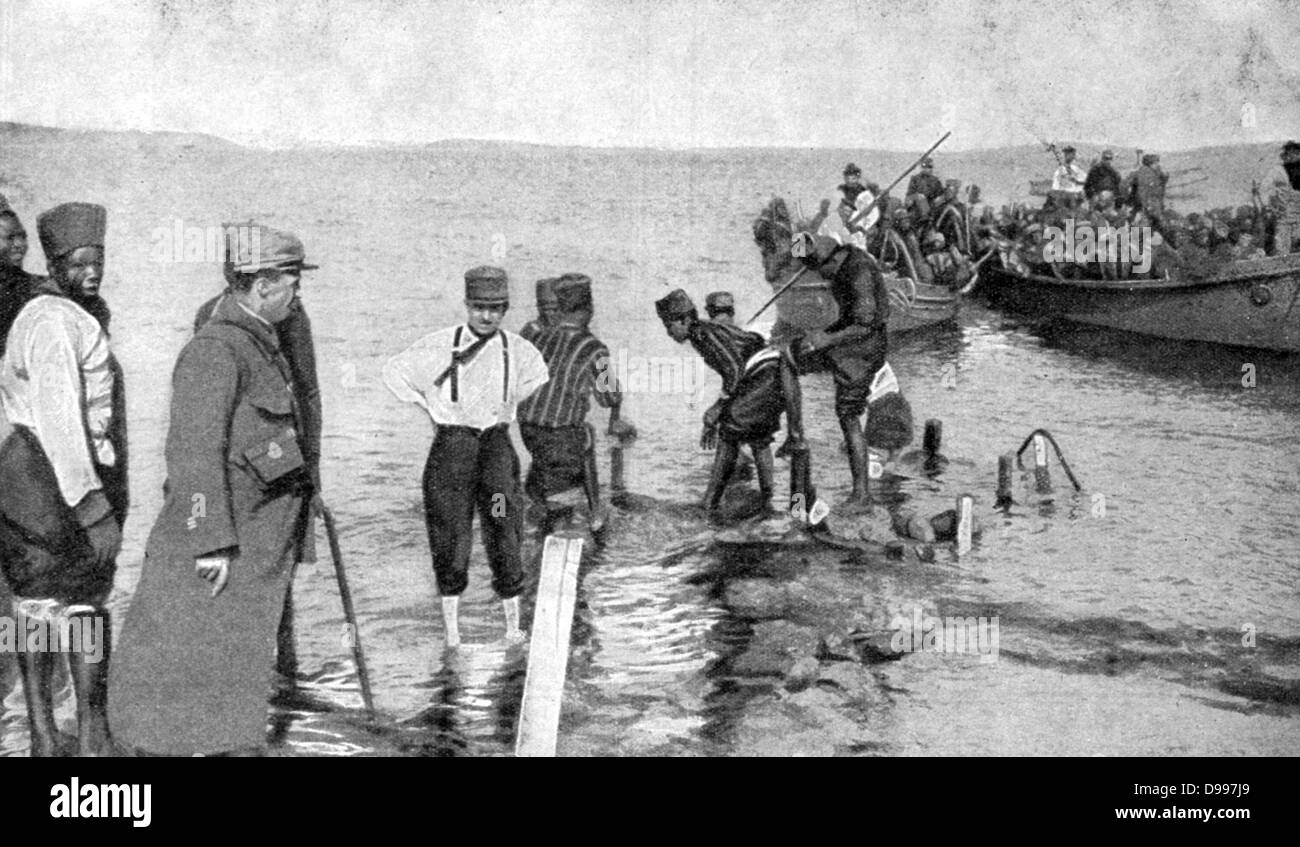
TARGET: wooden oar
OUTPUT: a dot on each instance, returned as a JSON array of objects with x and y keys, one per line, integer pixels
[{"x": 349, "y": 613}]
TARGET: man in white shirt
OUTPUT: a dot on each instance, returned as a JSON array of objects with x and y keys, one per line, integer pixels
[
  {"x": 62, "y": 485},
  {"x": 469, "y": 379},
  {"x": 1070, "y": 176}
]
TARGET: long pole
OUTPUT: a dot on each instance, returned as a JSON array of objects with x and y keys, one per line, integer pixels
[
  {"x": 857, "y": 216},
  {"x": 345, "y": 594}
]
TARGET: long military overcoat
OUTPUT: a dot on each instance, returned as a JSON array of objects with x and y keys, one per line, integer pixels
[{"x": 192, "y": 672}]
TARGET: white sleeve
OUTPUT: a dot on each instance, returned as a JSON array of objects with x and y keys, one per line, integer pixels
[
  {"x": 97, "y": 378},
  {"x": 56, "y": 405},
  {"x": 401, "y": 374},
  {"x": 532, "y": 373}
]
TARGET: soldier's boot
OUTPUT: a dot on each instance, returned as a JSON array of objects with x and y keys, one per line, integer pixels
[
  {"x": 451, "y": 620},
  {"x": 88, "y": 659},
  {"x": 514, "y": 635}
]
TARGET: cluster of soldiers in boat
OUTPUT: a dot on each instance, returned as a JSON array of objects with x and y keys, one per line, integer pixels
[{"x": 933, "y": 235}]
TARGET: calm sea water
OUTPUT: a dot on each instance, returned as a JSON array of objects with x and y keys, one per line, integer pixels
[{"x": 1121, "y": 633}]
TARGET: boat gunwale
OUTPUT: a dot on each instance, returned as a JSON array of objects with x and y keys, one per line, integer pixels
[{"x": 1246, "y": 270}]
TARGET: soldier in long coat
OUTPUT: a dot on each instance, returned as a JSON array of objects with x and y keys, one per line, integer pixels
[
  {"x": 300, "y": 352},
  {"x": 195, "y": 660}
]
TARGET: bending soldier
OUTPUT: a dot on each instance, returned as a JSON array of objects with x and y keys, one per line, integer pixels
[{"x": 758, "y": 384}]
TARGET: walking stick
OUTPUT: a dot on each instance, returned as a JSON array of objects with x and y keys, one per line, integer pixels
[{"x": 345, "y": 594}]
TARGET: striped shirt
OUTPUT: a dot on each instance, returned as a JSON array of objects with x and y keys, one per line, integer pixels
[
  {"x": 580, "y": 368},
  {"x": 725, "y": 349}
]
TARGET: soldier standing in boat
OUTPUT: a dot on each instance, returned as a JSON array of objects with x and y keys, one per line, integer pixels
[
  {"x": 470, "y": 379},
  {"x": 195, "y": 664},
  {"x": 924, "y": 192},
  {"x": 855, "y": 345},
  {"x": 1069, "y": 178},
  {"x": 63, "y": 485},
  {"x": 1287, "y": 202},
  {"x": 1146, "y": 192},
  {"x": 1103, "y": 177},
  {"x": 553, "y": 421}
]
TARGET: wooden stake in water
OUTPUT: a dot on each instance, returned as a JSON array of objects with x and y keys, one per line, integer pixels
[
  {"x": 965, "y": 523},
  {"x": 933, "y": 437},
  {"x": 548, "y": 652},
  {"x": 1006, "y": 473},
  {"x": 1042, "y": 478}
]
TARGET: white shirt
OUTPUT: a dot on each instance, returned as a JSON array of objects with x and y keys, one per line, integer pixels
[
  {"x": 56, "y": 351},
  {"x": 483, "y": 396},
  {"x": 1069, "y": 178}
]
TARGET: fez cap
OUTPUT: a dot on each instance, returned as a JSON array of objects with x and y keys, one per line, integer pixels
[
  {"x": 720, "y": 301},
  {"x": 1067, "y": 149},
  {"x": 676, "y": 305},
  {"x": 486, "y": 284},
  {"x": 573, "y": 292},
  {"x": 546, "y": 290},
  {"x": 255, "y": 247},
  {"x": 852, "y": 170},
  {"x": 927, "y": 162},
  {"x": 70, "y": 226}
]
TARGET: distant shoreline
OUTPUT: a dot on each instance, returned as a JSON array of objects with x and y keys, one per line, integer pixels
[{"x": 49, "y": 134}]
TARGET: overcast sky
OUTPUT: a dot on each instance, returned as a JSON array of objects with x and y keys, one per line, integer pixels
[{"x": 868, "y": 74}]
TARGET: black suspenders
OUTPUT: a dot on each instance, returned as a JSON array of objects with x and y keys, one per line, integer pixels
[
  {"x": 455, "y": 368},
  {"x": 505, "y": 366}
]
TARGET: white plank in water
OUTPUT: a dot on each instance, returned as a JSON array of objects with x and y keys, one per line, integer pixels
[{"x": 548, "y": 651}]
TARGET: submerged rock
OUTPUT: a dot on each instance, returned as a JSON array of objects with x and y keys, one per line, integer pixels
[
  {"x": 774, "y": 648},
  {"x": 812, "y": 722},
  {"x": 802, "y": 674}
]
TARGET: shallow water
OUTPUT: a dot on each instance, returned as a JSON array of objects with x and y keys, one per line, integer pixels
[{"x": 1120, "y": 632}]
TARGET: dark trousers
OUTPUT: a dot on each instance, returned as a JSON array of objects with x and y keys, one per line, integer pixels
[{"x": 467, "y": 470}]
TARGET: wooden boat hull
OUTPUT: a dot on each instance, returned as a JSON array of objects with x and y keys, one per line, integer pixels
[
  {"x": 1246, "y": 304},
  {"x": 808, "y": 305}
]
